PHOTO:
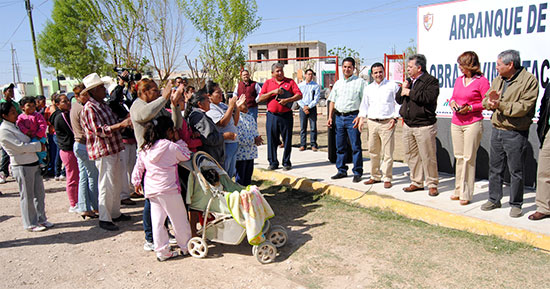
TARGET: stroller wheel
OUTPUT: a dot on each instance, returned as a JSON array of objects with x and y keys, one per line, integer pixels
[
  {"x": 278, "y": 236},
  {"x": 265, "y": 252},
  {"x": 197, "y": 247}
]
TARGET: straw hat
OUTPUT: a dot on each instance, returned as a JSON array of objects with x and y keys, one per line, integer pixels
[{"x": 91, "y": 81}]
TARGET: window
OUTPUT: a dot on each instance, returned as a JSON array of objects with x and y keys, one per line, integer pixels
[
  {"x": 282, "y": 53},
  {"x": 302, "y": 52},
  {"x": 263, "y": 54}
]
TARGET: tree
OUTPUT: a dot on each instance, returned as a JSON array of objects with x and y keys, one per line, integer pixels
[
  {"x": 119, "y": 24},
  {"x": 224, "y": 24},
  {"x": 68, "y": 42},
  {"x": 411, "y": 50},
  {"x": 343, "y": 52},
  {"x": 163, "y": 26}
]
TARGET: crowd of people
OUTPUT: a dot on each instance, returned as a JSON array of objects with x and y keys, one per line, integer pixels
[
  {"x": 511, "y": 97},
  {"x": 128, "y": 143}
]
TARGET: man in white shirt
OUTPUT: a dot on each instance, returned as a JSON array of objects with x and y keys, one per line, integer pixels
[
  {"x": 311, "y": 92},
  {"x": 379, "y": 106}
]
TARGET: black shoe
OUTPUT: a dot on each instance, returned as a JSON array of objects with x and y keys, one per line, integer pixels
[
  {"x": 287, "y": 168},
  {"x": 127, "y": 202},
  {"x": 339, "y": 176},
  {"x": 44, "y": 171},
  {"x": 272, "y": 167},
  {"x": 109, "y": 226},
  {"x": 122, "y": 217},
  {"x": 356, "y": 178}
]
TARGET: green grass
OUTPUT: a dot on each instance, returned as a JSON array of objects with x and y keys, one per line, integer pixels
[{"x": 490, "y": 243}]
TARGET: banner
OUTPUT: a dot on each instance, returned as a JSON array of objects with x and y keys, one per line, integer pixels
[{"x": 487, "y": 27}]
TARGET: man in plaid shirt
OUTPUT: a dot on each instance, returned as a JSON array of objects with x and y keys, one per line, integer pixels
[{"x": 104, "y": 143}]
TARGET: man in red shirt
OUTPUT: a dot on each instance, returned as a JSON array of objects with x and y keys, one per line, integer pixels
[{"x": 279, "y": 92}]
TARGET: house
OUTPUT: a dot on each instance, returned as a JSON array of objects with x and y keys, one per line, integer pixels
[{"x": 284, "y": 52}]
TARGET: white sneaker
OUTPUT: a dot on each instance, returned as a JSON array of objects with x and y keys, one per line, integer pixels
[
  {"x": 46, "y": 224},
  {"x": 148, "y": 246},
  {"x": 61, "y": 177},
  {"x": 73, "y": 209},
  {"x": 165, "y": 256},
  {"x": 36, "y": 228},
  {"x": 56, "y": 178},
  {"x": 2, "y": 179}
]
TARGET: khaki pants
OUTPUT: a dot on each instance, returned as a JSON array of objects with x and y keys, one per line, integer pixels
[
  {"x": 543, "y": 178},
  {"x": 466, "y": 139},
  {"x": 109, "y": 179},
  {"x": 420, "y": 154},
  {"x": 381, "y": 144}
]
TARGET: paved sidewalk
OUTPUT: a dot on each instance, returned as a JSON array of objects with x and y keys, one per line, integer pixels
[{"x": 312, "y": 171}]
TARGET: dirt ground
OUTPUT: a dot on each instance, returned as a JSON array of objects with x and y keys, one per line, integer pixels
[{"x": 331, "y": 244}]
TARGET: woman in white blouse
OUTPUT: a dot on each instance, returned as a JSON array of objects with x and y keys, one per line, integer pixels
[{"x": 25, "y": 169}]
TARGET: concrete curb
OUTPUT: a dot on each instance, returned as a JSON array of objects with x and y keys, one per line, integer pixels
[{"x": 410, "y": 210}]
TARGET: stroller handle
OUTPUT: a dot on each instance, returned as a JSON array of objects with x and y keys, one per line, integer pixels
[{"x": 199, "y": 157}]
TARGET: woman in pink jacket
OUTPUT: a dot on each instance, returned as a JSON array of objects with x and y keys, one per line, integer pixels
[
  {"x": 157, "y": 167},
  {"x": 466, "y": 124}
]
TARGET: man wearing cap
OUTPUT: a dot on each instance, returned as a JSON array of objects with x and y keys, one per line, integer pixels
[
  {"x": 251, "y": 89},
  {"x": 104, "y": 143},
  {"x": 4, "y": 165}
]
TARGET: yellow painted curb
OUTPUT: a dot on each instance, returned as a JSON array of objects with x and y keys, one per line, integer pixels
[{"x": 410, "y": 210}]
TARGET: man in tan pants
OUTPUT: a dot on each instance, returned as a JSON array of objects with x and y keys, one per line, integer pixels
[
  {"x": 543, "y": 170},
  {"x": 418, "y": 99},
  {"x": 379, "y": 105}
]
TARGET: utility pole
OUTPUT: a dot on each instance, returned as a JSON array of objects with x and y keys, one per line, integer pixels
[
  {"x": 13, "y": 62},
  {"x": 29, "y": 13}
]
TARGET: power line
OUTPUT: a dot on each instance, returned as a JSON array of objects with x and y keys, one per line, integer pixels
[
  {"x": 18, "y": 26},
  {"x": 332, "y": 19}
]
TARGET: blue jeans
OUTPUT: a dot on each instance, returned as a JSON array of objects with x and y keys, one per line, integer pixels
[
  {"x": 344, "y": 128},
  {"x": 87, "y": 184},
  {"x": 253, "y": 111},
  {"x": 147, "y": 223},
  {"x": 312, "y": 118},
  {"x": 54, "y": 167},
  {"x": 279, "y": 124},
  {"x": 230, "y": 158},
  {"x": 507, "y": 145}
]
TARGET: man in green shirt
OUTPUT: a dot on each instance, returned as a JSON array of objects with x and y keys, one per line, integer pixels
[{"x": 345, "y": 99}]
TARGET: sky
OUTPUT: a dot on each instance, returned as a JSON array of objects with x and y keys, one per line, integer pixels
[{"x": 370, "y": 27}]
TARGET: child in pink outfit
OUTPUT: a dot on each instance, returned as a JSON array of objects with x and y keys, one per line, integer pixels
[
  {"x": 157, "y": 167},
  {"x": 33, "y": 124}
]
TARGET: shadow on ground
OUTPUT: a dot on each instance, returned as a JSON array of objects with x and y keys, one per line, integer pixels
[{"x": 88, "y": 231}]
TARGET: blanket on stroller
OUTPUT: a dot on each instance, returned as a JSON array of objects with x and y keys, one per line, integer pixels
[{"x": 249, "y": 208}]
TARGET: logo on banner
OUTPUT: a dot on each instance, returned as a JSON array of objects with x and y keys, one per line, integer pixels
[{"x": 428, "y": 21}]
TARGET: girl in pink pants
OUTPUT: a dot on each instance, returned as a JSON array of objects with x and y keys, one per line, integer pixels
[
  {"x": 157, "y": 166},
  {"x": 61, "y": 121}
]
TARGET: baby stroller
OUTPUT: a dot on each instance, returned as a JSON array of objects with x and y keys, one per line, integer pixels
[{"x": 217, "y": 224}]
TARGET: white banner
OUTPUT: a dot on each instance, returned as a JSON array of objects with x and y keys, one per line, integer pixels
[{"x": 487, "y": 27}]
